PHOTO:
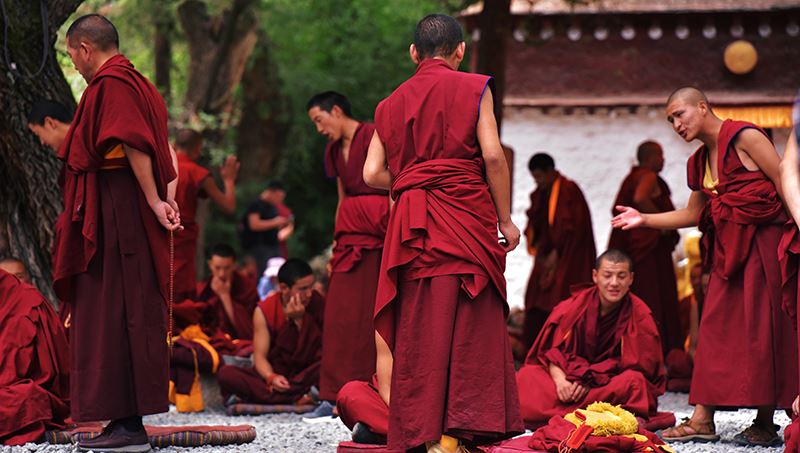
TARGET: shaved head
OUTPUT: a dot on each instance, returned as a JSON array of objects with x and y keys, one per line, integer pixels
[
  {"x": 94, "y": 29},
  {"x": 647, "y": 150},
  {"x": 437, "y": 35},
  {"x": 690, "y": 95}
]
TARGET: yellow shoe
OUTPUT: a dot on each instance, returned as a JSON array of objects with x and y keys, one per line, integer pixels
[{"x": 446, "y": 444}]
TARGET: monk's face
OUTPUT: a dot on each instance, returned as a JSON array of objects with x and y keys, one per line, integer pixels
[
  {"x": 657, "y": 161},
  {"x": 222, "y": 267},
  {"x": 328, "y": 124},
  {"x": 544, "y": 178},
  {"x": 82, "y": 56},
  {"x": 613, "y": 280},
  {"x": 303, "y": 287},
  {"x": 687, "y": 118},
  {"x": 49, "y": 133},
  {"x": 16, "y": 269}
]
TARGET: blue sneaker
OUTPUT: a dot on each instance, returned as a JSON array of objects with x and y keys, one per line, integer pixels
[{"x": 322, "y": 414}]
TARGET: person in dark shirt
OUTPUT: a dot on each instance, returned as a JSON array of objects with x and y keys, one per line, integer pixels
[{"x": 261, "y": 223}]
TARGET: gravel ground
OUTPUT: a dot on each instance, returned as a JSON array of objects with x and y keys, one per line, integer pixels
[{"x": 288, "y": 433}]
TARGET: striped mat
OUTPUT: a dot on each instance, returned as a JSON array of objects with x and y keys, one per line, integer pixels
[
  {"x": 166, "y": 436},
  {"x": 259, "y": 409}
]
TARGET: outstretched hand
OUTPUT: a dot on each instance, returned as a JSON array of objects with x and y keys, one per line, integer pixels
[
  {"x": 167, "y": 216},
  {"x": 229, "y": 169},
  {"x": 627, "y": 219}
]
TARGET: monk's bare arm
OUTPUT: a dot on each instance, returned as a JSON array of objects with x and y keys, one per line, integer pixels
[
  {"x": 142, "y": 166},
  {"x": 680, "y": 218},
  {"x": 383, "y": 368},
  {"x": 496, "y": 169},
  {"x": 790, "y": 178},
  {"x": 761, "y": 150},
  {"x": 172, "y": 186},
  {"x": 376, "y": 170},
  {"x": 261, "y": 344},
  {"x": 642, "y": 196},
  {"x": 342, "y": 194},
  {"x": 225, "y": 200}
]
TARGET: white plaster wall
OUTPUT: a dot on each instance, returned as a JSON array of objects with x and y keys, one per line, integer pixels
[{"x": 594, "y": 150}]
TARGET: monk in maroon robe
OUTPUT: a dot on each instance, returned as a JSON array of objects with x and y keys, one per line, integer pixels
[
  {"x": 34, "y": 364},
  {"x": 287, "y": 343},
  {"x": 601, "y": 344},
  {"x": 650, "y": 249},
  {"x": 194, "y": 182},
  {"x": 441, "y": 284},
  {"x": 111, "y": 260},
  {"x": 746, "y": 354},
  {"x": 560, "y": 236},
  {"x": 361, "y": 218}
]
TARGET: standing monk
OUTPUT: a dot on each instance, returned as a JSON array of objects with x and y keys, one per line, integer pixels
[
  {"x": 441, "y": 284},
  {"x": 560, "y": 236},
  {"x": 111, "y": 259},
  {"x": 194, "y": 182},
  {"x": 651, "y": 249},
  {"x": 735, "y": 202},
  {"x": 361, "y": 218}
]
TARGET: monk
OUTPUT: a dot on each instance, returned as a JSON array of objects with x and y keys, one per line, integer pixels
[
  {"x": 560, "y": 236},
  {"x": 364, "y": 409},
  {"x": 790, "y": 256},
  {"x": 15, "y": 267},
  {"x": 601, "y": 344},
  {"x": 49, "y": 121},
  {"x": 361, "y": 218},
  {"x": 195, "y": 182},
  {"x": 287, "y": 343},
  {"x": 111, "y": 261},
  {"x": 735, "y": 201},
  {"x": 441, "y": 284},
  {"x": 650, "y": 249},
  {"x": 34, "y": 364}
]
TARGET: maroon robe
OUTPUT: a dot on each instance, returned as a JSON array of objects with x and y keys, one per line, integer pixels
[
  {"x": 349, "y": 352},
  {"x": 571, "y": 236},
  {"x": 360, "y": 402},
  {"x": 190, "y": 188},
  {"x": 111, "y": 258},
  {"x": 34, "y": 365},
  {"x": 742, "y": 316},
  {"x": 441, "y": 283},
  {"x": 651, "y": 252},
  {"x": 293, "y": 353},
  {"x": 618, "y": 356}
]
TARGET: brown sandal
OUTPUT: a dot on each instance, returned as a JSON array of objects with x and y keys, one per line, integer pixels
[
  {"x": 759, "y": 435},
  {"x": 690, "y": 431}
]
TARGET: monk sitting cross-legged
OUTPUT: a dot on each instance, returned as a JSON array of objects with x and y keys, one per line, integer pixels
[
  {"x": 34, "y": 367},
  {"x": 601, "y": 344},
  {"x": 287, "y": 343}
]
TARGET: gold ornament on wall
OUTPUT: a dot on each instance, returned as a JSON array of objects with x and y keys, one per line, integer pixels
[{"x": 740, "y": 57}]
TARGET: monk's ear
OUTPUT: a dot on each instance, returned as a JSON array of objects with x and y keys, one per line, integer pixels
[
  {"x": 703, "y": 107},
  {"x": 461, "y": 50},
  {"x": 594, "y": 276},
  {"x": 283, "y": 287},
  {"x": 49, "y": 122},
  {"x": 412, "y": 52}
]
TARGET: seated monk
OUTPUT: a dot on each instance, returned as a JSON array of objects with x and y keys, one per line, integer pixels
[
  {"x": 34, "y": 367},
  {"x": 216, "y": 324},
  {"x": 287, "y": 343},
  {"x": 601, "y": 344},
  {"x": 364, "y": 406}
]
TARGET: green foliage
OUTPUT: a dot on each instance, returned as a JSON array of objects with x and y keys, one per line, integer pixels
[{"x": 356, "y": 47}]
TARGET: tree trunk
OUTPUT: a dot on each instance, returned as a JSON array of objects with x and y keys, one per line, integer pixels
[
  {"x": 30, "y": 199},
  {"x": 162, "y": 48},
  {"x": 260, "y": 132},
  {"x": 495, "y": 24},
  {"x": 219, "y": 48}
]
